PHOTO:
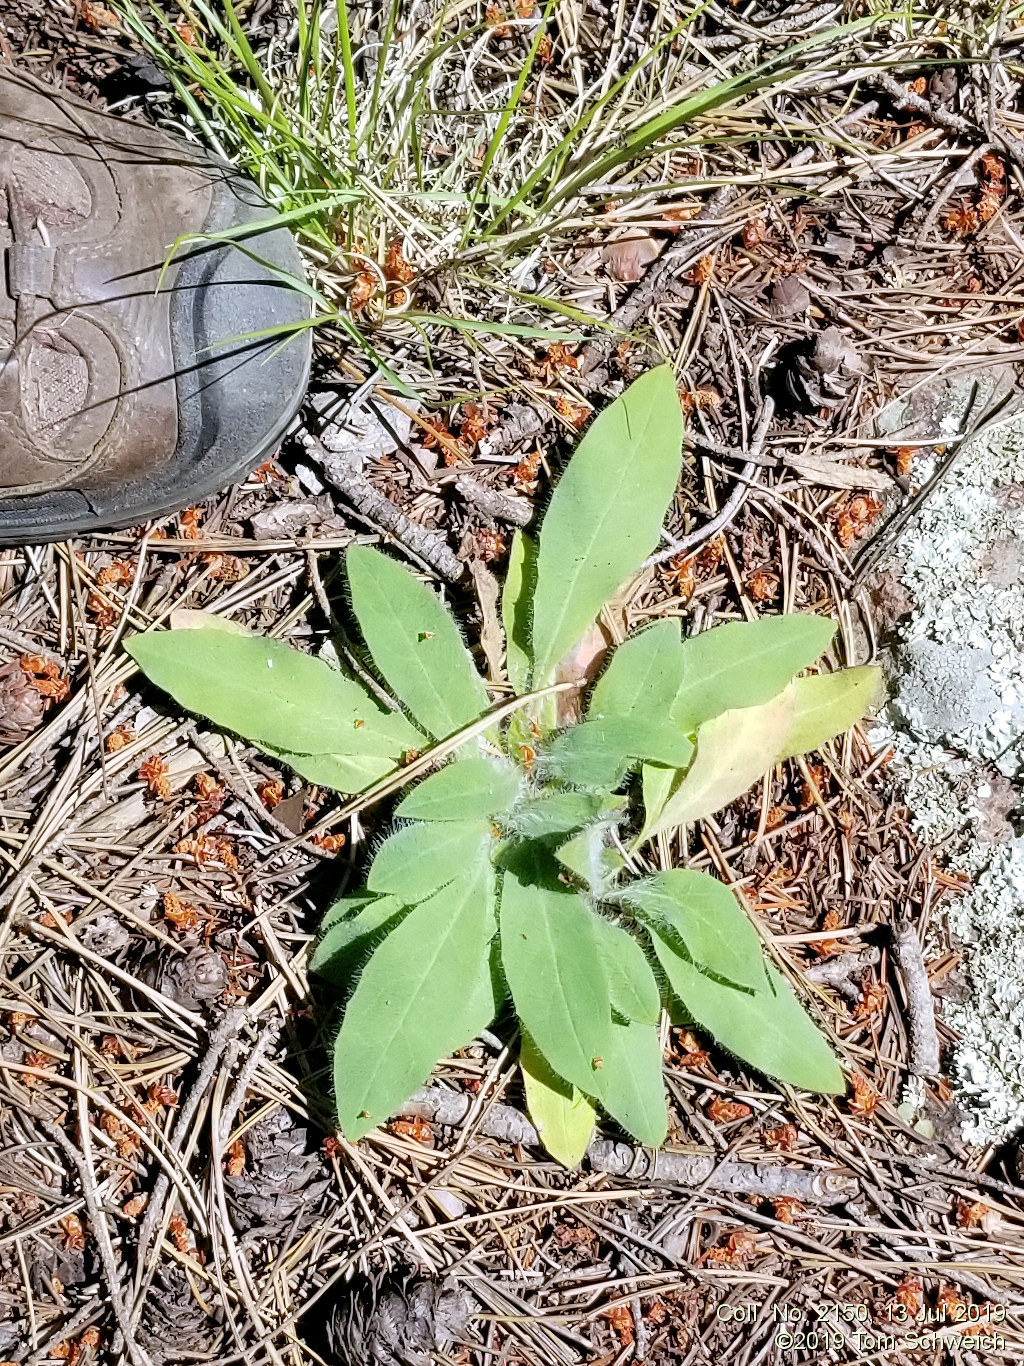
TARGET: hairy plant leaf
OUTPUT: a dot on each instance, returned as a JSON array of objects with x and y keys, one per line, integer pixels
[
  {"x": 825, "y": 705},
  {"x": 733, "y": 751},
  {"x": 562, "y": 1115},
  {"x": 271, "y": 694},
  {"x": 341, "y": 773},
  {"x": 556, "y": 974},
  {"x": 656, "y": 786},
  {"x": 418, "y": 859},
  {"x": 606, "y": 513},
  {"x": 468, "y": 789},
  {"x": 516, "y": 605},
  {"x": 705, "y": 914},
  {"x": 745, "y": 663},
  {"x": 632, "y": 987},
  {"x": 633, "y": 1087},
  {"x": 768, "y": 1029},
  {"x": 560, "y": 813},
  {"x": 738, "y": 747},
  {"x": 588, "y": 856},
  {"x": 415, "y": 643},
  {"x": 343, "y": 909},
  {"x": 644, "y": 676},
  {"x": 598, "y": 753},
  {"x": 346, "y": 941},
  {"x": 425, "y": 992}
]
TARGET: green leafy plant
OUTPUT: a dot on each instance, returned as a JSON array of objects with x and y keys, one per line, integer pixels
[{"x": 510, "y": 870}]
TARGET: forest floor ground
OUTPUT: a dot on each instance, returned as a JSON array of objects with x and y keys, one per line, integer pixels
[{"x": 171, "y": 1184}]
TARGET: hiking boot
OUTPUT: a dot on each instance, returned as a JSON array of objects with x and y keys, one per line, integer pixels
[{"x": 129, "y": 387}]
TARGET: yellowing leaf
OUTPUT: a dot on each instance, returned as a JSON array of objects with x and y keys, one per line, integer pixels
[
  {"x": 563, "y": 1116},
  {"x": 733, "y": 751},
  {"x": 745, "y": 663},
  {"x": 825, "y": 705}
]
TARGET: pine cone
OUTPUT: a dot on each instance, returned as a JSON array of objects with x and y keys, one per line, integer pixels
[
  {"x": 21, "y": 705},
  {"x": 283, "y": 1181},
  {"x": 821, "y": 372},
  {"x": 176, "y": 1323},
  {"x": 400, "y": 1319},
  {"x": 190, "y": 979}
]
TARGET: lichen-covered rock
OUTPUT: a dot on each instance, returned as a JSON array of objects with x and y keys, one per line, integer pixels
[
  {"x": 938, "y": 689},
  {"x": 956, "y": 715}
]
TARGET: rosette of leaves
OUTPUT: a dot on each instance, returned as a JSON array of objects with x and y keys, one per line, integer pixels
[{"x": 509, "y": 868}]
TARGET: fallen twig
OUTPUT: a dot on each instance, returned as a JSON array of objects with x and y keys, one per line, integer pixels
[
  {"x": 771, "y": 1181},
  {"x": 837, "y": 972},
  {"x": 494, "y": 503},
  {"x": 924, "y": 1039},
  {"x": 945, "y": 118},
  {"x": 101, "y": 1233},
  {"x": 224, "y": 1034},
  {"x": 345, "y": 473},
  {"x": 687, "y": 544}
]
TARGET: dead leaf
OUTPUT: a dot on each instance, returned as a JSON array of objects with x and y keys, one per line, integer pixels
[
  {"x": 492, "y": 637},
  {"x": 629, "y": 254},
  {"x": 837, "y": 474}
]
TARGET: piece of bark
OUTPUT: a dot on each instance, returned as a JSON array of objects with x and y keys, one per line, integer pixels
[
  {"x": 492, "y": 637},
  {"x": 837, "y": 972},
  {"x": 924, "y": 1038},
  {"x": 837, "y": 474},
  {"x": 494, "y": 503},
  {"x": 789, "y": 297},
  {"x": 768, "y": 1180}
]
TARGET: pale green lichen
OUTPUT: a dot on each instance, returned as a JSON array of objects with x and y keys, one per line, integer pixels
[{"x": 956, "y": 718}]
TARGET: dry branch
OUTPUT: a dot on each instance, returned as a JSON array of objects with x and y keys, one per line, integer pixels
[
  {"x": 494, "y": 503},
  {"x": 924, "y": 1039},
  {"x": 345, "y": 472},
  {"x": 838, "y": 972},
  {"x": 622, "y": 1160}
]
